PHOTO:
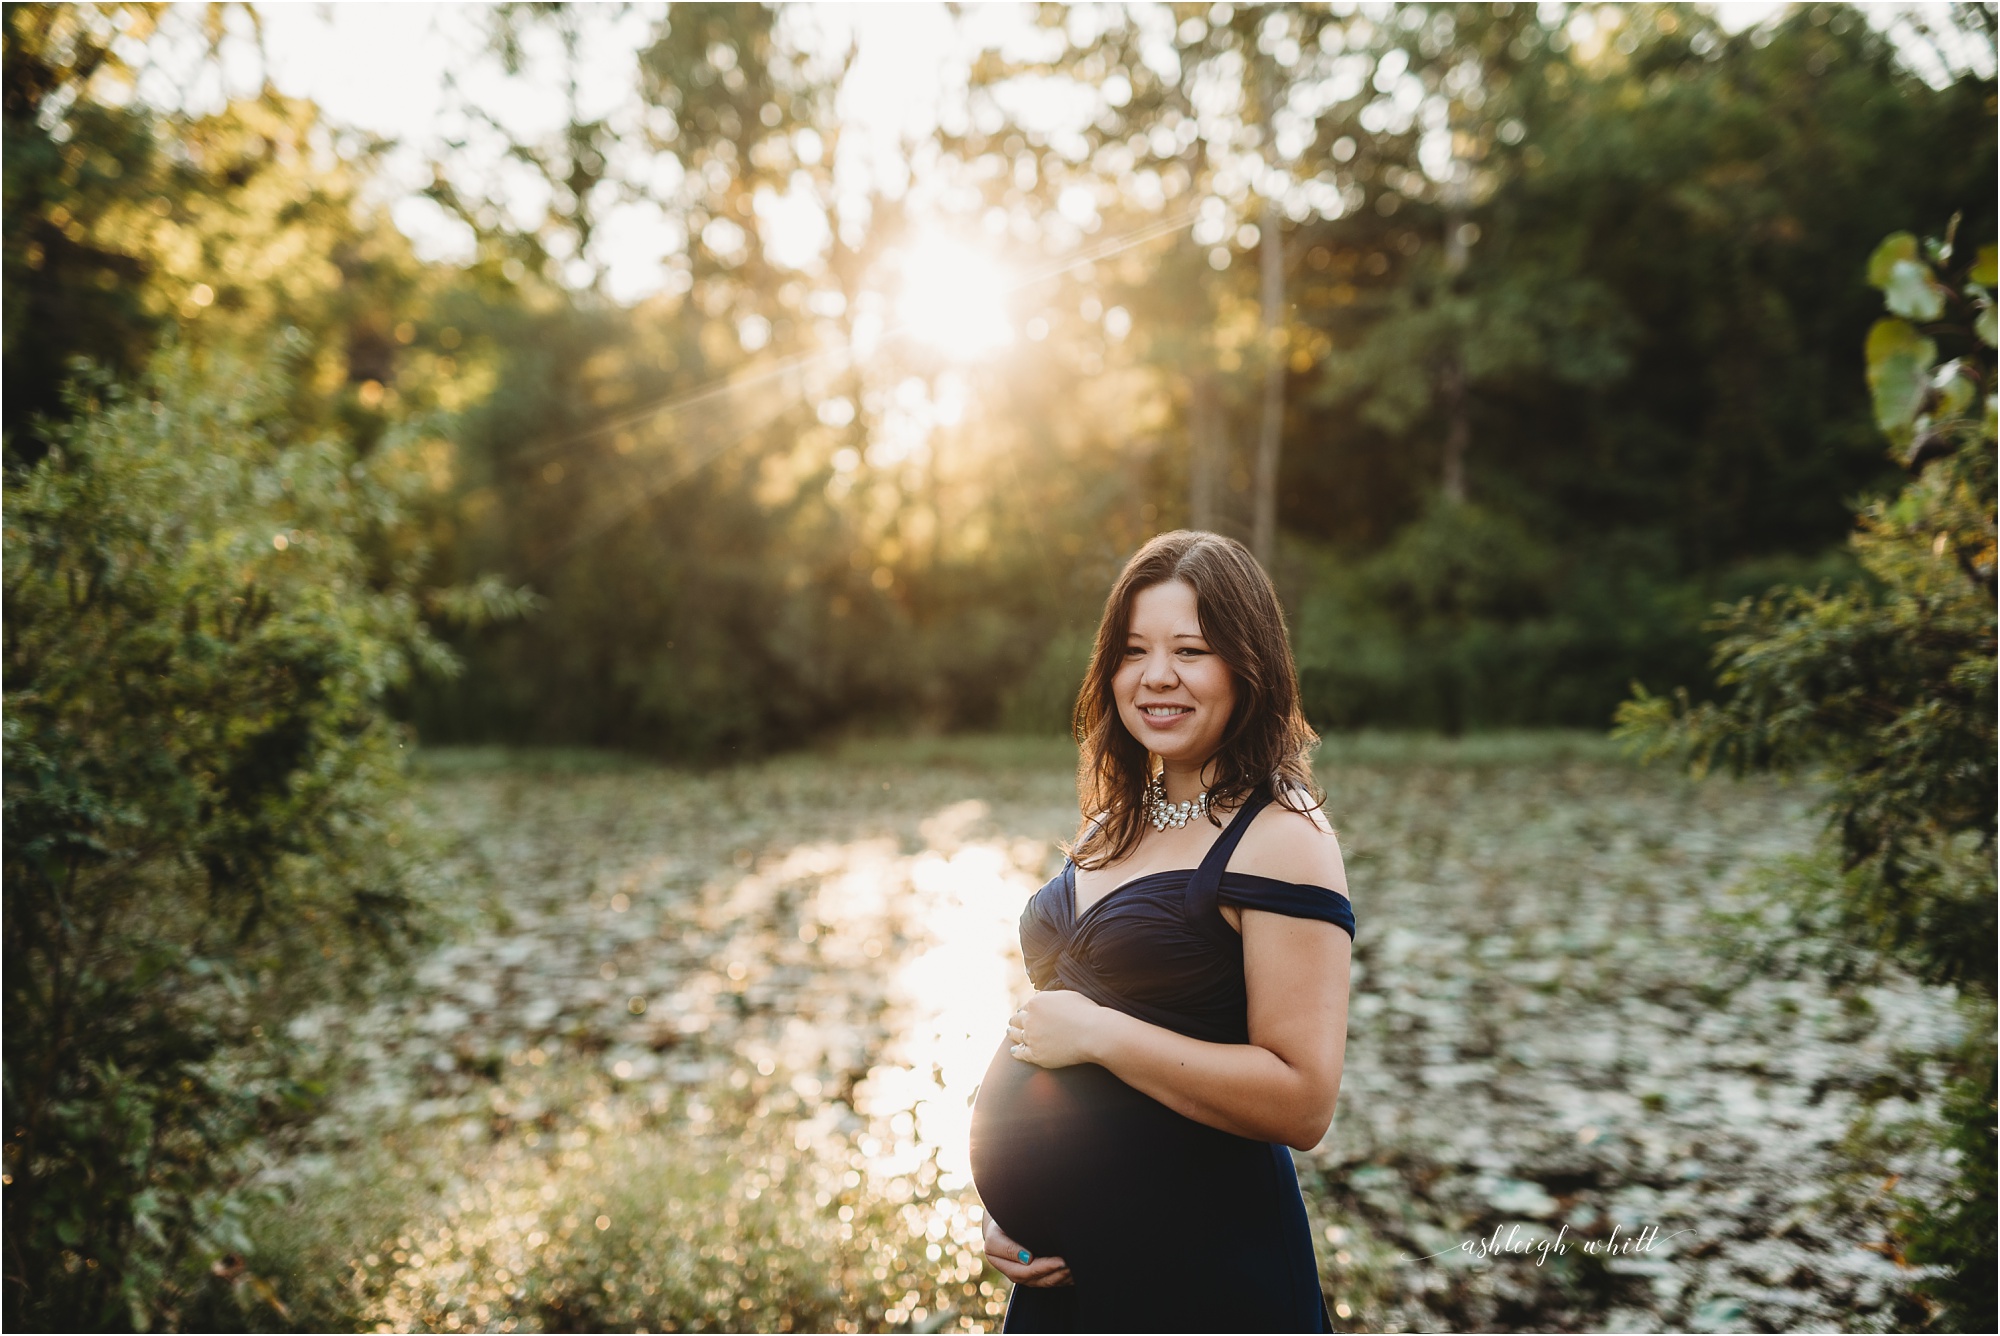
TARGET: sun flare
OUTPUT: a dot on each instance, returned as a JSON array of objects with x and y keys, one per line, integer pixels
[{"x": 953, "y": 299}]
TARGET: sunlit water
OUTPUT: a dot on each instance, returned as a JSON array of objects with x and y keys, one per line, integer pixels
[
  {"x": 951, "y": 999},
  {"x": 845, "y": 997},
  {"x": 937, "y": 930}
]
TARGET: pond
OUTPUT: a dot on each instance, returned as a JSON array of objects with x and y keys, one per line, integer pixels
[{"x": 696, "y": 1051}]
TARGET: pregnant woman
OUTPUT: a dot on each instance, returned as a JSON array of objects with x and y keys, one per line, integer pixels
[{"x": 1191, "y": 966}]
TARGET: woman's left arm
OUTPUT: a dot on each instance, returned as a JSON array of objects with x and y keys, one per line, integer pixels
[{"x": 1282, "y": 1085}]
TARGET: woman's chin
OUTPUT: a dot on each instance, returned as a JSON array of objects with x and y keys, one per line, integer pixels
[
  {"x": 1173, "y": 741},
  {"x": 1177, "y": 747}
]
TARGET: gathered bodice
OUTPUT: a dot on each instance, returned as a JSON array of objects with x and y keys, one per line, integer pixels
[{"x": 1157, "y": 947}]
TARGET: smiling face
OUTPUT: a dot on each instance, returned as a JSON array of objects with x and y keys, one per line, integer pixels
[{"x": 1174, "y": 694}]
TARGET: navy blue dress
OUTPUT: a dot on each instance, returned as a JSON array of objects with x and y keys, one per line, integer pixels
[{"x": 1166, "y": 1224}]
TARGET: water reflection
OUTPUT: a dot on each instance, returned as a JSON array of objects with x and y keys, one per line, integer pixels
[
  {"x": 950, "y": 999},
  {"x": 608, "y": 1104}
]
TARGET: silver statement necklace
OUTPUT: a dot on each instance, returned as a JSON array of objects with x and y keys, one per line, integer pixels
[{"x": 1163, "y": 813}]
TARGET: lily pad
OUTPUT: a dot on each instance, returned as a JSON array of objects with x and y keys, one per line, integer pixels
[
  {"x": 1518, "y": 1196},
  {"x": 1722, "y": 1313}
]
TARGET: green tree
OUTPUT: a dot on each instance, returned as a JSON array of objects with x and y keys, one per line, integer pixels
[
  {"x": 1887, "y": 690},
  {"x": 68, "y": 293},
  {"x": 728, "y": 563},
  {"x": 126, "y": 223},
  {"x": 200, "y": 821},
  {"x": 1566, "y": 261}
]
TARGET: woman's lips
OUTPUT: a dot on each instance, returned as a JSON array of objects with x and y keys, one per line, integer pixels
[{"x": 1167, "y": 716}]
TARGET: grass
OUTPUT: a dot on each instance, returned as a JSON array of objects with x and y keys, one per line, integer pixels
[
  {"x": 1503, "y": 747},
  {"x": 697, "y": 1052},
  {"x": 445, "y": 763}
]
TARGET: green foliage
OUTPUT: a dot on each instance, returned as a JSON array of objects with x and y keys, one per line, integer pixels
[
  {"x": 1607, "y": 318},
  {"x": 1043, "y": 698},
  {"x": 1960, "y": 1237},
  {"x": 126, "y": 224},
  {"x": 1907, "y": 286},
  {"x": 1899, "y": 364},
  {"x": 202, "y": 631},
  {"x": 68, "y": 293},
  {"x": 739, "y": 1224},
  {"x": 1462, "y": 593},
  {"x": 1471, "y": 620},
  {"x": 1886, "y": 687},
  {"x": 1625, "y": 307},
  {"x": 1888, "y": 690},
  {"x": 1639, "y": 342}
]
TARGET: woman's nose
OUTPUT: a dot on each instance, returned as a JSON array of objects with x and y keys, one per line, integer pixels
[{"x": 1160, "y": 670}]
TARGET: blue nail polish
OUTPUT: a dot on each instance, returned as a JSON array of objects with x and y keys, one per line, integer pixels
[{"x": 1026, "y": 1256}]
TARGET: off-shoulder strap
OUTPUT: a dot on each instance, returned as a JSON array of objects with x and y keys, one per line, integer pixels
[
  {"x": 1294, "y": 899},
  {"x": 1207, "y": 878}
]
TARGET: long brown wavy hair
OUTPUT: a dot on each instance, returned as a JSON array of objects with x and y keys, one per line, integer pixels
[{"x": 1267, "y": 741}]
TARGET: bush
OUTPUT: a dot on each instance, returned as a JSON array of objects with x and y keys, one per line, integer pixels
[
  {"x": 1887, "y": 689},
  {"x": 1471, "y": 619},
  {"x": 204, "y": 616}
]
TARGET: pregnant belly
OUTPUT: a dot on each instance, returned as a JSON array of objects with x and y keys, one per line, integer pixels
[{"x": 1052, "y": 1147}]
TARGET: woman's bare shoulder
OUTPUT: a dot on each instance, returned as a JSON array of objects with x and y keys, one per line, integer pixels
[{"x": 1286, "y": 844}]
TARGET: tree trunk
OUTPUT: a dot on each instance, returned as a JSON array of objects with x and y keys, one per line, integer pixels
[
  {"x": 1451, "y": 381},
  {"x": 1458, "y": 430},
  {"x": 1270, "y": 438},
  {"x": 1205, "y": 453}
]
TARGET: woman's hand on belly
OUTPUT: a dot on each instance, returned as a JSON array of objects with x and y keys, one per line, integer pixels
[
  {"x": 1037, "y": 1272},
  {"x": 1057, "y": 1028}
]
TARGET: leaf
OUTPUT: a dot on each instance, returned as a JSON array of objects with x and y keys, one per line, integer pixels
[
  {"x": 1896, "y": 248},
  {"x": 1913, "y": 293},
  {"x": 1955, "y": 390},
  {"x": 1907, "y": 286},
  {"x": 484, "y": 602},
  {"x": 1983, "y": 268},
  {"x": 1982, "y": 325},
  {"x": 1899, "y": 363}
]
